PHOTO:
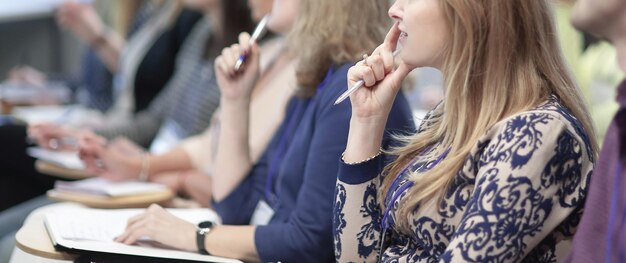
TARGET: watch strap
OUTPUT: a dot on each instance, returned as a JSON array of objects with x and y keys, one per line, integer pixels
[{"x": 203, "y": 229}]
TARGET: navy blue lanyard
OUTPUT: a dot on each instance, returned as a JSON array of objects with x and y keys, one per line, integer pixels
[
  {"x": 286, "y": 137},
  {"x": 391, "y": 199}
]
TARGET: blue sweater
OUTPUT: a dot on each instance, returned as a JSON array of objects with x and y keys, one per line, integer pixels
[{"x": 305, "y": 151}]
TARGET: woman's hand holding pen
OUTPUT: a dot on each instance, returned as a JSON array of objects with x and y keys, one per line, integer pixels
[
  {"x": 236, "y": 86},
  {"x": 372, "y": 103},
  {"x": 382, "y": 81}
]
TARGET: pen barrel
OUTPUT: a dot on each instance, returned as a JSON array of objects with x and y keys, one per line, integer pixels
[{"x": 240, "y": 62}]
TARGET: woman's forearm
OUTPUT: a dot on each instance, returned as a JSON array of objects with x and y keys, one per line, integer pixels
[
  {"x": 175, "y": 160},
  {"x": 232, "y": 162},
  {"x": 233, "y": 242},
  {"x": 109, "y": 47},
  {"x": 364, "y": 139}
]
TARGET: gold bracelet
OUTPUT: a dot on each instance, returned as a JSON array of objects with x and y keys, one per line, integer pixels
[{"x": 362, "y": 161}]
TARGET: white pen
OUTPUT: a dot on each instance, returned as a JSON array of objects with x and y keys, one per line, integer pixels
[
  {"x": 357, "y": 85},
  {"x": 258, "y": 32}
]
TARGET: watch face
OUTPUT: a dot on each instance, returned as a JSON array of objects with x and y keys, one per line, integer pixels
[{"x": 205, "y": 224}]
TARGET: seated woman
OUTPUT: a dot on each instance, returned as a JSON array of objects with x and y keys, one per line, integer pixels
[
  {"x": 292, "y": 183},
  {"x": 145, "y": 68},
  {"x": 498, "y": 172},
  {"x": 185, "y": 167},
  {"x": 185, "y": 106}
]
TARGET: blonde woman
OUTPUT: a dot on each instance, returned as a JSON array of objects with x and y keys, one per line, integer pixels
[
  {"x": 498, "y": 172},
  {"x": 280, "y": 209}
]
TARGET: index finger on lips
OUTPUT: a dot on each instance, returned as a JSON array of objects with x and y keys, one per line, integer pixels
[{"x": 244, "y": 41}]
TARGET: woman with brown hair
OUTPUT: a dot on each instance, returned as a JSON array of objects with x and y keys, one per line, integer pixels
[
  {"x": 498, "y": 172},
  {"x": 280, "y": 209}
]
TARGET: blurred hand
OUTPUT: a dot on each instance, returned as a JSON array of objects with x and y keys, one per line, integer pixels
[
  {"x": 162, "y": 226},
  {"x": 373, "y": 102},
  {"x": 28, "y": 75},
  {"x": 120, "y": 160},
  {"x": 170, "y": 179},
  {"x": 80, "y": 19},
  {"x": 54, "y": 137},
  {"x": 238, "y": 85}
]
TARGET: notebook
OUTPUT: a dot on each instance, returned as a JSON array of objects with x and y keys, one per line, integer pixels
[
  {"x": 68, "y": 160},
  {"x": 88, "y": 229},
  {"x": 103, "y": 187}
]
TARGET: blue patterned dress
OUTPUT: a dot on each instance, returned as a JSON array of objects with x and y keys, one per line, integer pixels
[{"x": 518, "y": 197}]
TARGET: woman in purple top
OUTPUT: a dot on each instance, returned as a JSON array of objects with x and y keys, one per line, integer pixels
[{"x": 601, "y": 236}]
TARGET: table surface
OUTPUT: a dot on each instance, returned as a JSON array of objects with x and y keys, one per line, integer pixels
[{"x": 33, "y": 237}]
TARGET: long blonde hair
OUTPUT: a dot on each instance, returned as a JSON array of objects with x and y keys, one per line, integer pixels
[
  {"x": 502, "y": 58},
  {"x": 329, "y": 32}
]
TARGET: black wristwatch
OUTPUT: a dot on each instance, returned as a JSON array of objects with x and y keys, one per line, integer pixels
[{"x": 203, "y": 229}]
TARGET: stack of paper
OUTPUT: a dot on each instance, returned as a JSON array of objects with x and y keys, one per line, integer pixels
[
  {"x": 103, "y": 187},
  {"x": 87, "y": 229},
  {"x": 68, "y": 160}
]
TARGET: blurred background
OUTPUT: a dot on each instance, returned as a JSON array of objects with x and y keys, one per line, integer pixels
[{"x": 31, "y": 36}]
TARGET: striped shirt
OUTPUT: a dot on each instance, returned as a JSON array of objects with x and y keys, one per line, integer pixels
[{"x": 187, "y": 103}]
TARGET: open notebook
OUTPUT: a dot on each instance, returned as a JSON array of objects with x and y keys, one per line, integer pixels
[
  {"x": 88, "y": 229},
  {"x": 68, "y": 160},
  {"x": 103, "y": 187}
]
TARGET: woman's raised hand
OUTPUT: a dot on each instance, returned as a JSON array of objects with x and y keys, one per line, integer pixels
[
  {"x": 237, "y": 85},
  {"x": 382, "y": 81},
  {"x": 82, "y": 20}
]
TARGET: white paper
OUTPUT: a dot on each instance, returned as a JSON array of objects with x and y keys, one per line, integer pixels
[
  {"x": 94, "y": 229},
  {"x": 67, "y": 160},
  {"x": 101, "y": 186},
  {"x": 71, "y": 115}
]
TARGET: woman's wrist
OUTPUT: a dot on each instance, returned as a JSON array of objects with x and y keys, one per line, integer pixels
[
  {"x": 238, "y": 101},
  {"x": 364, "y": 140},
  {"x": 234, "y": 112}
]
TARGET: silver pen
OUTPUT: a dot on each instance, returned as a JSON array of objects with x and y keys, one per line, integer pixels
[
  {"x": 258, "y": 32},
  {"x": 357, "y": 85}
]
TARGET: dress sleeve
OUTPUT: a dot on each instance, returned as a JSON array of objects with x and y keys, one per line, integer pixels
[
  {"x": 357, "y": 214},
  {"x": 532, "y": 176}
]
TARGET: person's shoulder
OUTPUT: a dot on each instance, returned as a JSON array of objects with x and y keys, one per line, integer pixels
[
  {"x": 336, "y": 84},
  {"x": 549, "y": 118},
  {"x": 339, "y": 77}
]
